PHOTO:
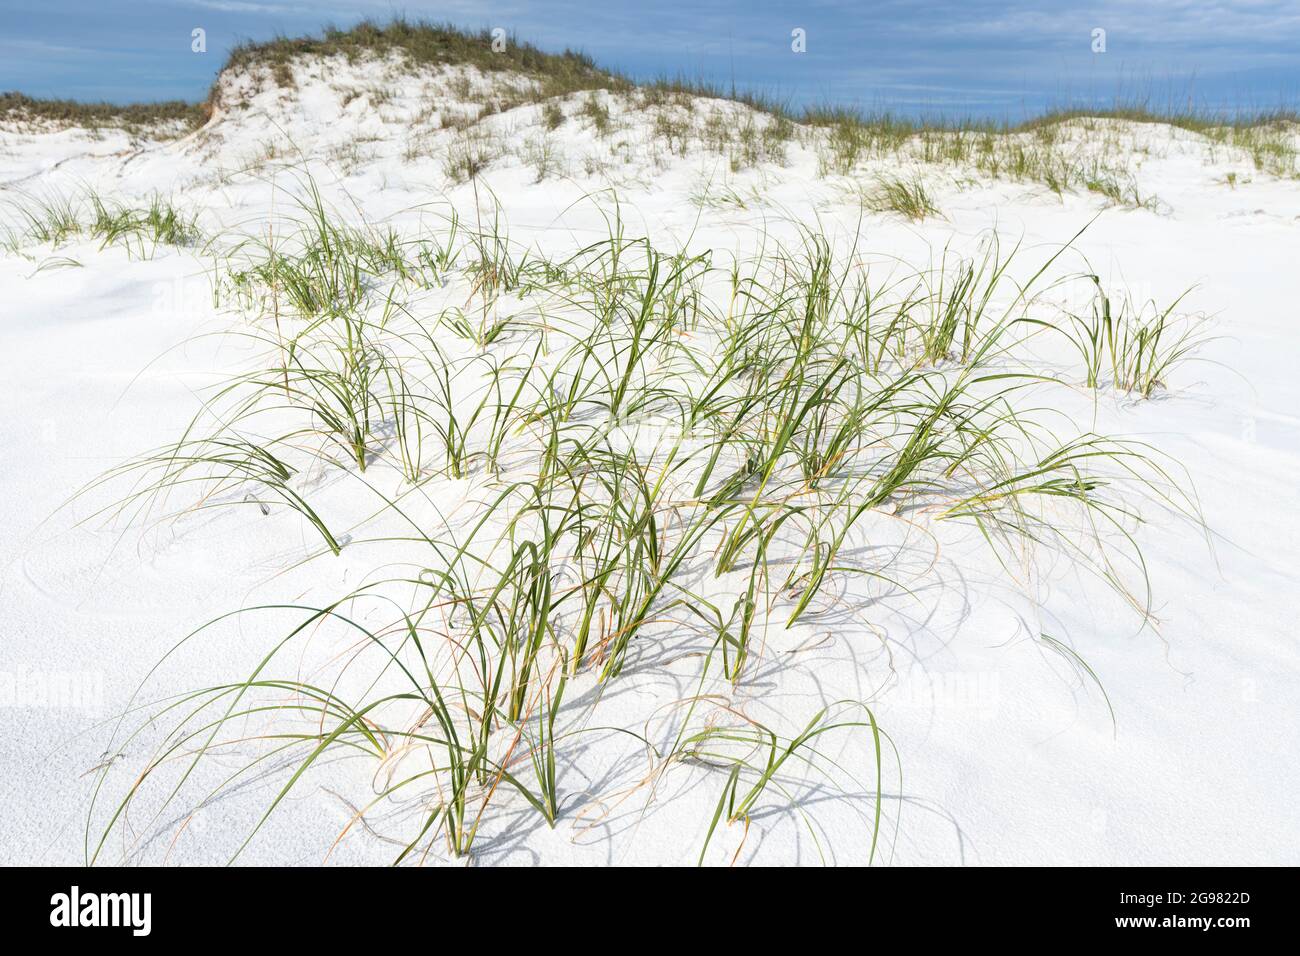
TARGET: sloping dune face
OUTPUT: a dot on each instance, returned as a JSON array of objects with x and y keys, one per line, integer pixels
[{"x": 422, "y": 461}]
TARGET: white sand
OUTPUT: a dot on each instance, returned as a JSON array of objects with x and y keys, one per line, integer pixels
[{"x": 1006, "y": 750}]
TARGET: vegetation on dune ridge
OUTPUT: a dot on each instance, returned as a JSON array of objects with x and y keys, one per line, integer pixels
[
  {"x": 134, "y": 117},
  {"x": 1266, "y": 135},
  {"x": 574, "y": 71},
  {"x": 851, "y": 132},
  {"x": 424, "y": 42}
]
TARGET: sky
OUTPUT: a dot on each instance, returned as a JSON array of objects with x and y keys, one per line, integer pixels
[{"x": 1007, "y": 59}]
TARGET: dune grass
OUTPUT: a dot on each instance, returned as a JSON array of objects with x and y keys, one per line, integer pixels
[
  {"x": 136, "y": 118},
  {"x": 56, "y": 218},
  {"x": 1137, "y": 346},
  {"x": 907, "y": 198},
  {"x": 667, "y": 453}
]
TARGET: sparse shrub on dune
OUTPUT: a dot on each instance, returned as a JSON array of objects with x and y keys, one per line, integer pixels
[
  {"x": 597, "y": 112},
  {"x": 470, "y": 152},
  {"x": 541, "y": 152},
  {"x": 843, "y": 146},
  {"x": 552, "y": 115},
  {"x": 673, "y": 129}
]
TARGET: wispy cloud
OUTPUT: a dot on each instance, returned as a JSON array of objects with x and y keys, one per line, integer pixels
[{"x": 244, "y": 6}]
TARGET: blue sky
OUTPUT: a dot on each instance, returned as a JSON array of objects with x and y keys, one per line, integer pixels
[{"x": 959, "y": 57}]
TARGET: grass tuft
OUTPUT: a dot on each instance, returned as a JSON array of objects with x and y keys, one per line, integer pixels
[{"x": 906, "y": 198}]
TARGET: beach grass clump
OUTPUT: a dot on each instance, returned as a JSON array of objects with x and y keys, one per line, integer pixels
[
  {"x": 470, "y": 153},
  {"x": 904, "y": 197},
  {"x": 843, "y": 147},
  {"x": 57, "y": 218},
  {"x": 1130, "y": 346},
  {"x": 667, "y": 459},
  {"x": 596, "y": 110},
  {"x": 544, "y": 156},
  {"x": 53, "y": 219},
  {"x": 159, "y": 223},
  {"x": 553, "y": 115}
]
